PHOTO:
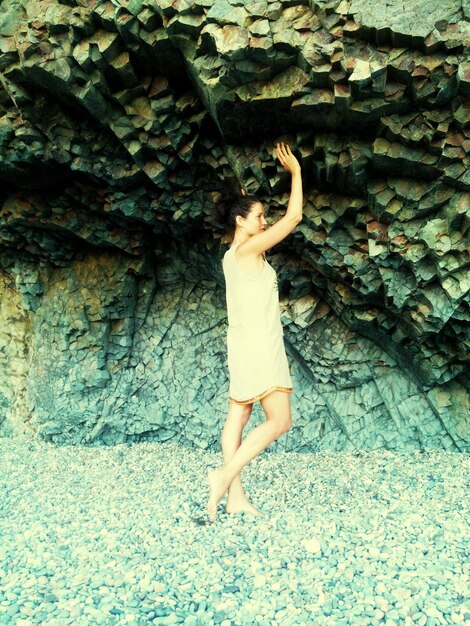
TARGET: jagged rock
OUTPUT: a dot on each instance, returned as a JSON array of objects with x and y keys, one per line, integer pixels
[{"x": 119, "y": 122}]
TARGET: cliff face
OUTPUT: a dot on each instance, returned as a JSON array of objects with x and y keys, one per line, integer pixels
[{"x": 119, "y": 121}]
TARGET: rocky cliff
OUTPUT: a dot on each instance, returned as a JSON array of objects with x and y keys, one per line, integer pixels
[{"x": 120, "y": 121}]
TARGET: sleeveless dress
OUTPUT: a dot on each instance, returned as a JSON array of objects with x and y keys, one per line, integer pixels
[{"x": 256, "y": 356}]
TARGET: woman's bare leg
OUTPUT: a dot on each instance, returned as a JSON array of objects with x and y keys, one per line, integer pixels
[
  {"x": 237, "y": 418},
  {"x": 278, "y": 421}
]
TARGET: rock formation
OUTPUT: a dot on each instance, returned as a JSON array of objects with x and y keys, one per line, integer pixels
[{"x": 120, "y": 122}]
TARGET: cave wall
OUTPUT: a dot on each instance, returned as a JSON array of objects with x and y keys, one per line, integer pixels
[
  {"x": 107, "y": 350},
  {"x": 119, "y": 122}
]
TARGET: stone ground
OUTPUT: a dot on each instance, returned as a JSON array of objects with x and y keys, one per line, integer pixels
[{"x": 118, "y": 535}]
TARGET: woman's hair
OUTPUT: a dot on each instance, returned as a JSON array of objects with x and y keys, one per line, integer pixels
[{"x": 232, "y": 204}]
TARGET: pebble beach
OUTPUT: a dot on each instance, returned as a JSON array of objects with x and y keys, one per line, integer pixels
[{"x": 98, "y": 535}]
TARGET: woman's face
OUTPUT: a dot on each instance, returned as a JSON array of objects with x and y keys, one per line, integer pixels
[{"x": 254, "y": 222}]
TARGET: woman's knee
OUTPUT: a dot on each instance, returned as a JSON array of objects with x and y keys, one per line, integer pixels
[
  {"x": 277, "y": 410},
  {"x": 241, "y": 412},
  {"x": 281, "y": 423},
  {"x": 285, "y": 425}
]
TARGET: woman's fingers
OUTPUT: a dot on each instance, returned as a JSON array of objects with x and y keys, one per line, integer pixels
[
  {"x": 287, "y": 159},
  {"x": 284, "y": 152},
  {"x": 284, "y": 149}
]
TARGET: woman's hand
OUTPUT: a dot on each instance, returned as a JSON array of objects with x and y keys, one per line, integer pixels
[{"x": 287, "y": 159}]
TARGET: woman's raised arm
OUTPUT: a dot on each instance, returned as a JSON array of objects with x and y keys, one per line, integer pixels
[{"x": 277, "y": 232}]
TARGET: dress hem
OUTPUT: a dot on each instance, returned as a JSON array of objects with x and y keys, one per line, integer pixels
[{"x": 260, "y": 396}]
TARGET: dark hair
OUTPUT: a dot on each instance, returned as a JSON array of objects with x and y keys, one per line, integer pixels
[{"x": 232, "y": 204}]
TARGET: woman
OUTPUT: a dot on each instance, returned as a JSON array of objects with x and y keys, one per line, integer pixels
[{"x": 256, "y": 356}]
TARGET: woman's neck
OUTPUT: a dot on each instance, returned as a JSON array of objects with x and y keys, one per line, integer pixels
[{"x": 240, "y": 238}]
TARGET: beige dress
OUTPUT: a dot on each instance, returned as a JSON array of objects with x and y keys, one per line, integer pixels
[{"x": 257, "y": 359}]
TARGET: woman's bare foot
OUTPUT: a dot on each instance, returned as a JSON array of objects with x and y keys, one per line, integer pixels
[
  {"x": 241, "y": 505},
  {"x": 217, "y": 487}
]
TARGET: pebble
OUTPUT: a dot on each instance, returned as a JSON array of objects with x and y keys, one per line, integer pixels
[
  {"x": 312, "y": 545},
  {"x": 96, "y": 534}
]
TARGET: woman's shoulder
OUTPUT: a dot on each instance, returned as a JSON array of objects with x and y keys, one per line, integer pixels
[
  {"x": 230, "y": 249},
  {"x": 228, "y": 254}
]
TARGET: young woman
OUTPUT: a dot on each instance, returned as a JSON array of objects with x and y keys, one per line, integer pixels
[{"x": 257, "y": 360}]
